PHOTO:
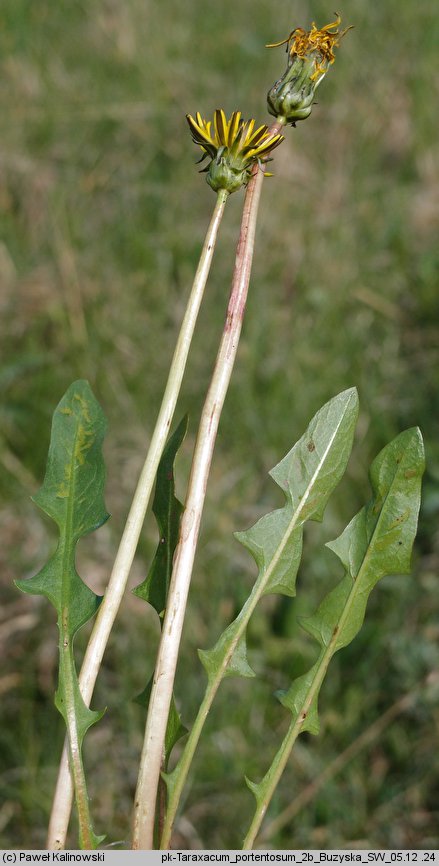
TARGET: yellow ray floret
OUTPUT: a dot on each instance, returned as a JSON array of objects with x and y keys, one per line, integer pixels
[{"x": 235, "y": 134}]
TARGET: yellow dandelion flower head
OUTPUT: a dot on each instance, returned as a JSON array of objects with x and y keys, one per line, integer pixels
[{"x": 233, "y": 146}]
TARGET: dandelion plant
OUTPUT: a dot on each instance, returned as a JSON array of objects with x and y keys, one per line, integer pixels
[
  {"x": 234, "y": 153},
  {"x": 233, "y": 148}
]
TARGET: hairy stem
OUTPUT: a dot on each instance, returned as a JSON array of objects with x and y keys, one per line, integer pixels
[
  {"x": 63, "y": 798},
  {"x": 161, "y": 694}
]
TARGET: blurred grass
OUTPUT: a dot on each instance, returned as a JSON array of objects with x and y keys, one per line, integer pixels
[{"x": 102, "y": 216}]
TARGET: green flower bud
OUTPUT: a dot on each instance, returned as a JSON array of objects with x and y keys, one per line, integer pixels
[{"x": 310, "y": 54}]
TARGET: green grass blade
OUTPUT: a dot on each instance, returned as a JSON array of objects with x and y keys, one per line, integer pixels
[
  {"x": 377, "y": 542},
  {"x": 72, "y": 495},
  {"x": 307, "y": 475}
]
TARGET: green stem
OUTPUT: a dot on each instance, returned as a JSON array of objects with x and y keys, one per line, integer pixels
[
  {"x": 66, "y": 695},
  {"x": 369, "y": 736},
  {"x": 63, "y": 798}
]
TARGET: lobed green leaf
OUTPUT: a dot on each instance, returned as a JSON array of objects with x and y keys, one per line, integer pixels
[
  {"x": 72, "y": 494},
  {"x": 377, "y": 542},
  {"x": 307, "y": 475}
]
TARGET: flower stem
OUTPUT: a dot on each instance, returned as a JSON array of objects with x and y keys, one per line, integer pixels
[
  {"x": 149, "y": 772},
  {"x": 63, "y": 798}
]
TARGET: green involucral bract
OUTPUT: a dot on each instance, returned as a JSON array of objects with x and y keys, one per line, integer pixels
[
  {"x": 72, "y": 495},
  {"x": 310, "y": 54},
  {"x": 377, "y": 542},
  {"x": 292, "y": 96}
]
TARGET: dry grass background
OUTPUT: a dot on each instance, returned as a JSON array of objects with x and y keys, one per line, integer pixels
[{"x": 102, "y": 216}]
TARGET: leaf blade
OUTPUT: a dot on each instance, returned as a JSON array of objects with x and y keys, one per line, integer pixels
[
  {"x": 72, "y": 495},
  {"x": 379, "y": 540},
  {"x": 275, "y": 541}
]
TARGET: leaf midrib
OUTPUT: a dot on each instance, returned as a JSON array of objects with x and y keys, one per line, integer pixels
[{"x": 68, "y": 534}]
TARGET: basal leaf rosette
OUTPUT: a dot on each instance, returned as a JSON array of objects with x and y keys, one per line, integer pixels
[
  {"x": 232, "y": 146},
  {"x": 310, "y": 54}
]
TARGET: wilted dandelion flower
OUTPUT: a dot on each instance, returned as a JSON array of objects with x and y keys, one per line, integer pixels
[
  {"x": 233, "y": 147},
  {"x": 310, "y": 54}
]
